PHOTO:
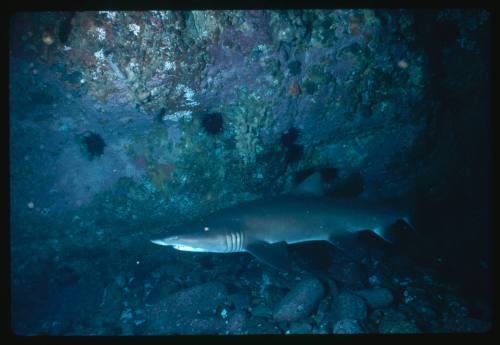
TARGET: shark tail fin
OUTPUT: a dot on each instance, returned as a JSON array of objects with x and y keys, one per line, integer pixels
[
  {"x": 410, "y": 222},
  {"x": 408, "y": 206},
  {"x": 412, "y": 204}
]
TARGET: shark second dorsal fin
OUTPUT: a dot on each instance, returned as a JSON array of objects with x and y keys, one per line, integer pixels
[
  {"x": 311, "y": 185},
  {"x": 275, "y": 255}
]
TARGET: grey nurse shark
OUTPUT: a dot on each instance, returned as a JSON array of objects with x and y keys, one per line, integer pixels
[{"x": 264, "y": 227}]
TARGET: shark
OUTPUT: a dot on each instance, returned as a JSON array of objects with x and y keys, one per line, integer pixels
[{"x": 265, "y": 227}]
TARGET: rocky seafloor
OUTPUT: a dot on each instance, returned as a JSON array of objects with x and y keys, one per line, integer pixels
[
  {"x": 157, "y": 291},
  {"x": 122, "y": 124}
]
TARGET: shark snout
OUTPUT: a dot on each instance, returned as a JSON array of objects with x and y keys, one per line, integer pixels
[
  {"x": 165, "y": 241},
  {"x": 159, "y": 242}
]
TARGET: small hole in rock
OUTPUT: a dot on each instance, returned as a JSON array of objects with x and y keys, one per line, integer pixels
[
  {"x": 289, "y": 137},
  {"x": 212, "y": 123}
]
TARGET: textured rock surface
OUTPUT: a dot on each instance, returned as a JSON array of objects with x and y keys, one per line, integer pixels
[
  {"x": 262, "y": 311},
  {"x": 398, "y": 327},
  {"x": 240, "y": 300},
  {"x": 156, "y": 73},
  {"x": 191, "y": 310},
  {"x": 237, "y": 323},
  {"x": 347, "y": 326},
  {"x": 349, "y": 273},
  {"x": 299, "y": 328},
  {"x": 376, "y": 298},
  {"x": 300, "y": 301},
  {"x": 348, "y": 306},
  {"x": 466, "y": 325}
]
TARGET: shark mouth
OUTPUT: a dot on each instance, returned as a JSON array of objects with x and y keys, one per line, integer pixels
[
  {"x": 167, "y": 242},
  {"x": 188, "y": 248}
]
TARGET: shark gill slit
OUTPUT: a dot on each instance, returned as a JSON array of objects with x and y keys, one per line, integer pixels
[
  {"x": 233, "y": 241},
  {"x": 227, "y": 242},
  {"x": 242, "y": 238}
]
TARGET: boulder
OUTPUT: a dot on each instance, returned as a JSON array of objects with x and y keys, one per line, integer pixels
[
  {"x": 398, "y": 327},
  {"x": 348, "y": 306},
  {"x": 377, "y": 297},
  {"x": 300, "y": 301},
  {"x": 347, "y": 326},
  {"x": 237, "y": 322}
]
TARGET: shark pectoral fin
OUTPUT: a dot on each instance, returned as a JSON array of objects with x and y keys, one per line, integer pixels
[{"x": 275, "y": 255}]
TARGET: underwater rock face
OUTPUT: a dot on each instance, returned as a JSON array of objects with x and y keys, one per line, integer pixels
[
  {"x": 249, "y": 75},
  {"x": 300, "y": 301}
]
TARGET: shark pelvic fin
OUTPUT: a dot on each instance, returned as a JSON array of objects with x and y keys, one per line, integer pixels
[
  {"x": 311, "y": 185},
  {"x": 275, "y": 255},
  {"x": 345, "y": 243},
  {"x": 386, "y": 233}
]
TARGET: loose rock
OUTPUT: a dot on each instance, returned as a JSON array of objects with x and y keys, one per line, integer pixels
[
  {"x": 194, "y": 307},
  {"x": 348, "y": 306},
  {"x": 240, "y": 300},
  {"x": 349, "y": 273},
  {"x": 300, "y": 328},
  {"x": 237, "y": 322},
  {"x": 163, "y": 288},
  {"x": 376, "y": 298},
  {"x": 466, "y": 325},
  {"x": 262, "y": 311},
  {"x": 300, "y": 301},
  {"x": 398, "y": 327},
  {"x": 347, "y": 326}
]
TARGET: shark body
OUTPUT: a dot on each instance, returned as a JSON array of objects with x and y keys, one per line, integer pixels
[{"x": 263, "y": 227}]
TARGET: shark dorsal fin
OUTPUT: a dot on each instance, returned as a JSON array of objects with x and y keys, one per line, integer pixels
[{"x": 311, "y": 185}]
